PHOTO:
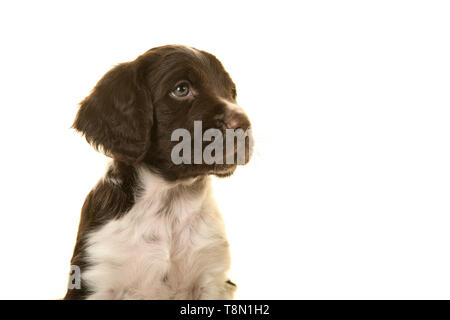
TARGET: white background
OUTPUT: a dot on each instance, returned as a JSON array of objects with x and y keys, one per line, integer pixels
[{"x": 348, "y": 195}]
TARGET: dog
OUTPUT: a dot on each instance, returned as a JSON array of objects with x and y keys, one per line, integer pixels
[{"x": 150, "y": 228}]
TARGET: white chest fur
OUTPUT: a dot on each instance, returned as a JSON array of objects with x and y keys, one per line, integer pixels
[{"x": 170, "y": 245}]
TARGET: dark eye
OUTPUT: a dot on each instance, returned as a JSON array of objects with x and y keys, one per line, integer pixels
[{"x": 182, "y": 90}]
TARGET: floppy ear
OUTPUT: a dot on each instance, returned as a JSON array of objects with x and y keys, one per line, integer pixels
[{"x": 117, "y": 116}]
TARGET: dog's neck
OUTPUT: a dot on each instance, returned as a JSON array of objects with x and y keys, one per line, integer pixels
[
  {"x": 150, "y": 194},
  {"x": 151, "y": 184}
]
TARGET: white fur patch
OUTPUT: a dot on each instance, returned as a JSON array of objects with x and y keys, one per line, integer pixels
[{"x": 170, "y": 245}]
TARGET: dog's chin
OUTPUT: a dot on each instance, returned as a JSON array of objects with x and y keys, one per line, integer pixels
[
  {"x": 186, "y": 171},
  {"x": 224, "y": 171}
]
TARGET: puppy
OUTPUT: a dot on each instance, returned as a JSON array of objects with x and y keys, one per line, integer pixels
[{"x": 150, "y": 228}]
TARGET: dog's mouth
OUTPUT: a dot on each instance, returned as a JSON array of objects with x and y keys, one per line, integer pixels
[
  {"x": 238, "y": 155},
  {"x": 241, "y": 152},
  {"x": 213, "y": 150},
  {"x": 236, "y": 152}
]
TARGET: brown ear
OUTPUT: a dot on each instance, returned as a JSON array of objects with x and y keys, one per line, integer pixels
[{"x": 117, "y": 116}]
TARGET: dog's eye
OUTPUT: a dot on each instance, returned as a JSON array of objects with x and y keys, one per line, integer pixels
[{"x": 182, "y": 90}]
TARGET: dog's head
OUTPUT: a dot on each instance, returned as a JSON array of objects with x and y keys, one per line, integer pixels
[{"x": 144, "y": 111}]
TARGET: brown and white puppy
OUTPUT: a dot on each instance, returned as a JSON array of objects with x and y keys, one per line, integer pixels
[{"x": 150, "y": 228}]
